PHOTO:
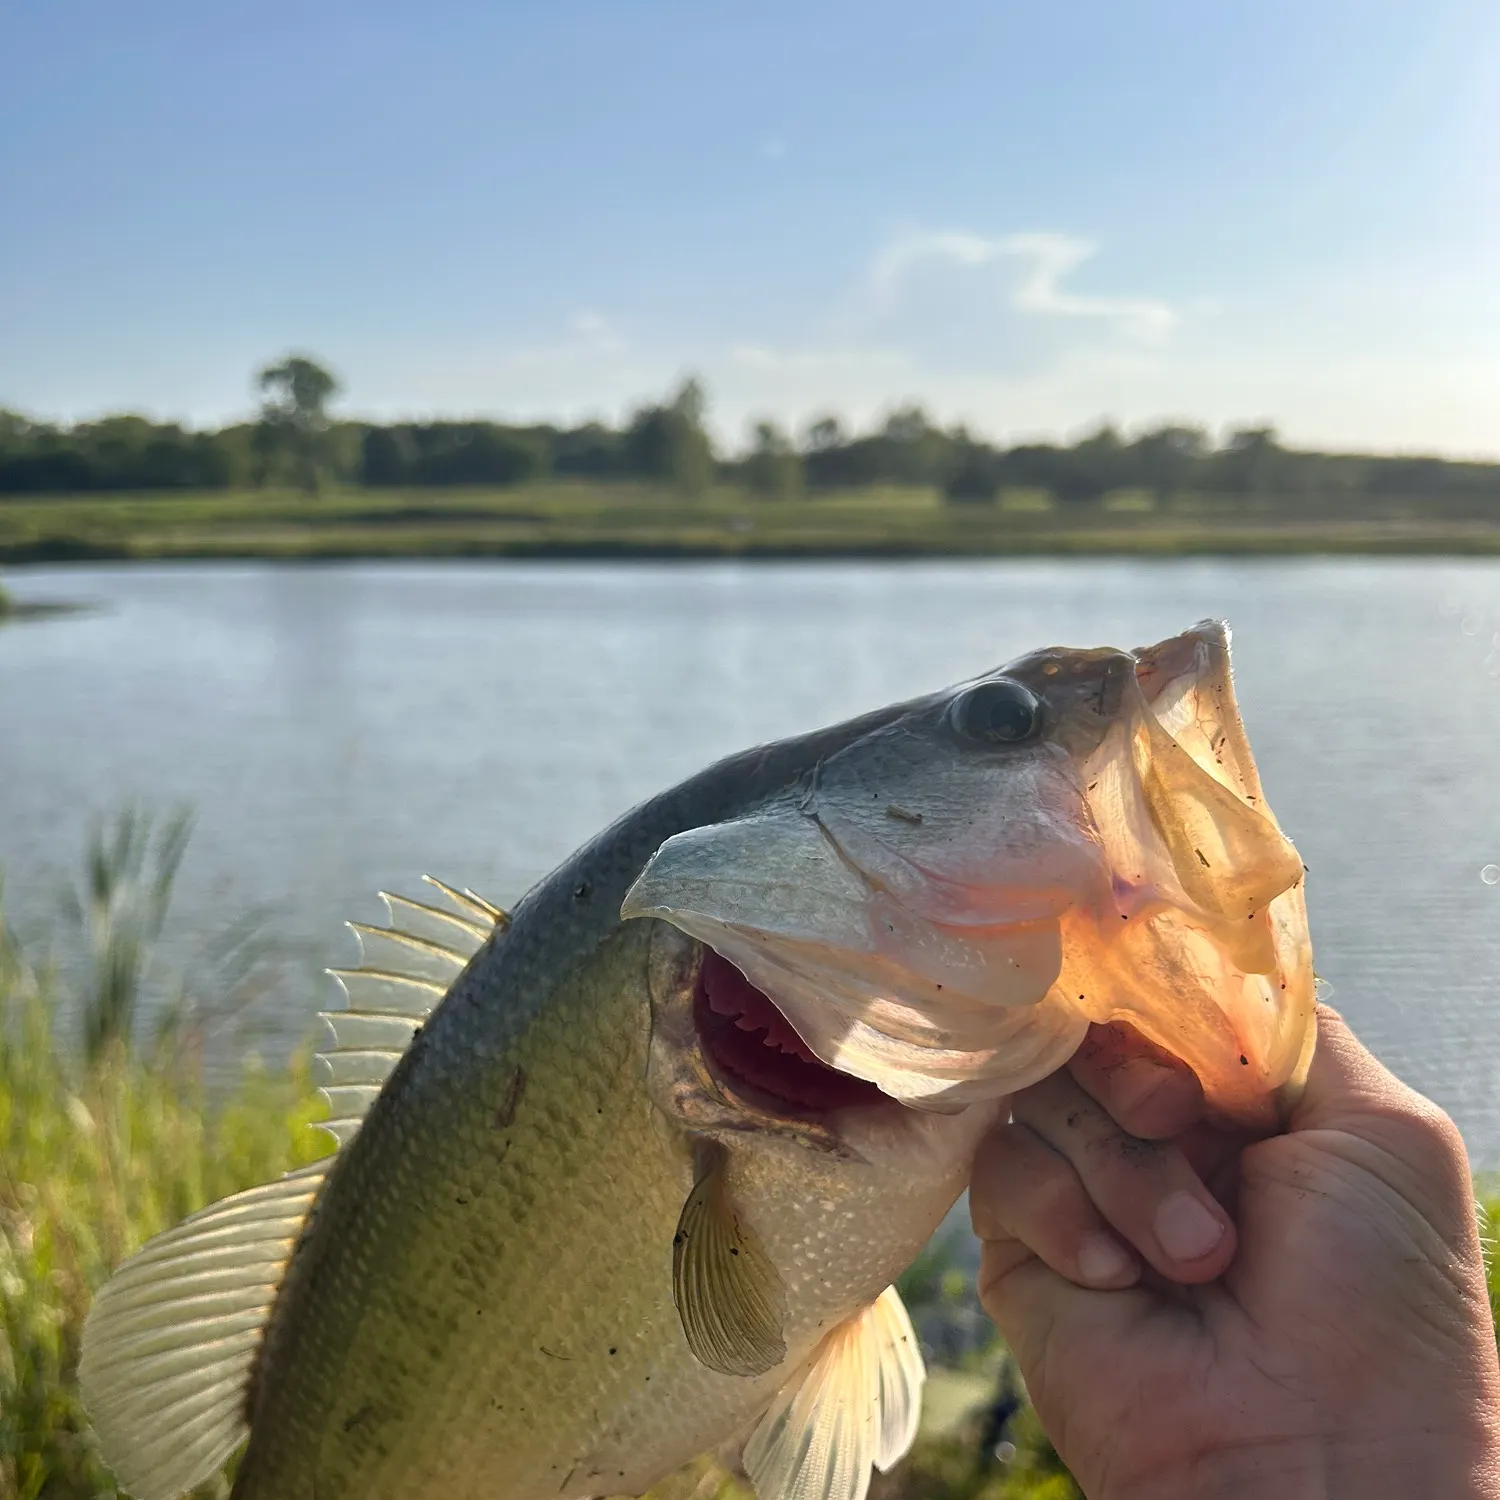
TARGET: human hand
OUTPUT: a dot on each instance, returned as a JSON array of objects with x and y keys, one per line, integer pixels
[{"x": 1196, "y": 1315}]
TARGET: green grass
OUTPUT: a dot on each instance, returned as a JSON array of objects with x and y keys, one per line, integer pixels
[
  {"x": 106, "y": 1137},
  {"x": 557, "y": 518}
]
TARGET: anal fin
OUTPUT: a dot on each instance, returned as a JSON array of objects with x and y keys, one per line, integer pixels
[
  {"x": 729, "y": 1295},
  {"x": 853, "y": 1409},
  {"x": 169, "y": 1343}
]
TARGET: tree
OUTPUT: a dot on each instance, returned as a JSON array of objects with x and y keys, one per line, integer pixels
[
  {"x": 907, "y": 424},
  {"x": 773, "y": 467},
  {"x": 1251, "y": 463},
  {"x": 669, "y": 442},
  {"x": 1167, "y": 458},
  {"x": 1098, "y": 464},
  {"x": 910, "y": 450},
  {"x": 824, "y": 433},
  {"x": 294, "y": 419},
  {"x": 385, "y": 456},
  {"x": 976, "y": 471}
]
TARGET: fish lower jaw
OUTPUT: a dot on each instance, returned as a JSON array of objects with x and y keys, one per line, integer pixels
[{"x": 751, "y": 1048}]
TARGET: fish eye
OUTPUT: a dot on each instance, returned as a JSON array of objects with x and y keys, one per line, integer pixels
[{"x": 998, "y": 712}]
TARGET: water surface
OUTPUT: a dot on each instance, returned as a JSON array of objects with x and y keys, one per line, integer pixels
[{"x": 342, "y": 728}]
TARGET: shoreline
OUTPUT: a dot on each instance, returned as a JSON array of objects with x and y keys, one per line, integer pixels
[
  {"x": 60, "y": 551},
  {"x": 604, "y": 522}
]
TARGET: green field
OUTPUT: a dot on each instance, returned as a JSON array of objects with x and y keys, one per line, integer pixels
[{"x": 626, "y": 519}]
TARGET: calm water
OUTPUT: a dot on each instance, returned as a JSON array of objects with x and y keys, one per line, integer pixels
[{"x": 344, "y": 728}]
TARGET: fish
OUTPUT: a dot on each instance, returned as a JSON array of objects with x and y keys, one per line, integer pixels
[{"x": 625, "y": 1177}]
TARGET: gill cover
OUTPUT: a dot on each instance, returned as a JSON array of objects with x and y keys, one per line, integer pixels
[{"x": 945, "y": 919}]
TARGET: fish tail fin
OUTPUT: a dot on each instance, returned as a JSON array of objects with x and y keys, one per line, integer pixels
[{"x": 170, "y": 1343}]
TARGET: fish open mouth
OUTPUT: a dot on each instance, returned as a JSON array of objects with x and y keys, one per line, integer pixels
[
  {"x": 757, "y": 1051},
  {"x": 938, "y": 911}
]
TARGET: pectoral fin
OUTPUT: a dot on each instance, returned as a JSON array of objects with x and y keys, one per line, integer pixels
[
  {"x": 729, "y": 1296},
  {"x": 855, "y": 1408}
]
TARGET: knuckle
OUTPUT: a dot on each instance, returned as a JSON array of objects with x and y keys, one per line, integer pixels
[
  {"x": 1423, "y": 1135},
  {"x": 1057, "y": 1196},
  {"x": 1434, "y": 1126}
]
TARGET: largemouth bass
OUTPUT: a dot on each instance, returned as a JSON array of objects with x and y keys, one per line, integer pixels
[{"x": 625, "y": 1179}]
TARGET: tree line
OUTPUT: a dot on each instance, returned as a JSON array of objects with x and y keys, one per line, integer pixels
[{"x": 295, "y": 442}]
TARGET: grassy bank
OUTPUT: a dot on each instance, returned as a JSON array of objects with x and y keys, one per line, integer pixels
[
  {"x": 632, "y": 520},
  {"x": 105, "y": 1139}
]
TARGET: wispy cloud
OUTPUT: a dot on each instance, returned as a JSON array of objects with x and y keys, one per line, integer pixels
[
  {"x": 1041, "y": 264},
  {"x": 834, "y": 360},
  {"x": 596, "y": 332}
]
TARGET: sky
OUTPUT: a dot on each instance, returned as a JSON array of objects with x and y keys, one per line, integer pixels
[{"x": 1028, "y": 218}]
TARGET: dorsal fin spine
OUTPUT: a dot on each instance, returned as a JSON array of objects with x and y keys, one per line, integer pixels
[{"x": 392, "y": 991}]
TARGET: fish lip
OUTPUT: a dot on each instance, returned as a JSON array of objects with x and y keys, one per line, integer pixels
[{"x": 1195, "y": 654}]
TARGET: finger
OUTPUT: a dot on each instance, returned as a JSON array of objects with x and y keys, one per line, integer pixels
[
  {"x": 1146, "y": 1190},
  {"x": 1022, "y": 1191},
  {"x": 1040, "y": 1312},
  {"x": 1149, "y": 1093},
  {"x": 1022, "y": 1297}
]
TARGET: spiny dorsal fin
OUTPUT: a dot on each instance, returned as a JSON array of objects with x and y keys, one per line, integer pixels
[
  {"x": 482, "y": 910},
  {"x": 405, "y": 968},
  {"x": 169, "y": 1341},
  {"x": 855, "y": 1407},
  {"x": 728, "y": 1292}
]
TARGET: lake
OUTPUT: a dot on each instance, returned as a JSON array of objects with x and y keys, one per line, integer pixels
[{"x": 343, "y": 728}]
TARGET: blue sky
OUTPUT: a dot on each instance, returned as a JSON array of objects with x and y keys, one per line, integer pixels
[{"x": 1026, "y": 217}]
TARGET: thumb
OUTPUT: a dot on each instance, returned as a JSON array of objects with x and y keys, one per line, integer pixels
[
  {"x": 1346, "y": 1083},
  {"x": 1365, "y": 1114}
]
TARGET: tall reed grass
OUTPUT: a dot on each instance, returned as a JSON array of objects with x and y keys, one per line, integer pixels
[{"x": 108, "y": 1135}]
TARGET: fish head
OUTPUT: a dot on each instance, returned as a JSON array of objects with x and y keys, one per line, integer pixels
[{"x": 948, "y": 894}]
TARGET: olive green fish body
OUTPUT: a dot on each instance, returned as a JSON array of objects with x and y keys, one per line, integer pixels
[
  {"x": 637, "y": 1188},
  {"x": 483, "y": 1302}
]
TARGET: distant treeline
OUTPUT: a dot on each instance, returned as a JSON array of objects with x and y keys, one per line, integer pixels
[{"x": 666, "y": 443}]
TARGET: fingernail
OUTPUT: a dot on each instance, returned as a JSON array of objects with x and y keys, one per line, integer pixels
[
  {"x": 1101, "y": 1259},
  {"x": 1185, "y": 1229}
]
